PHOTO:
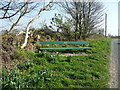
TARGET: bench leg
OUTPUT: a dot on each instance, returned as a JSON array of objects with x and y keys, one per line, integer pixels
[{"x": 84, "y": 50}]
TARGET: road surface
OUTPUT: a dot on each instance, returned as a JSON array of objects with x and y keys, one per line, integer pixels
[{"x": 114, "y": 64}]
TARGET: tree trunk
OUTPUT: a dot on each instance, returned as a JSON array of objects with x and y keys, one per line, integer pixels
[{"x": 30, "y": 23}]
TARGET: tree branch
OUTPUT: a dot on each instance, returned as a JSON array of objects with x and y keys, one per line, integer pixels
[{"x": 30, "y": 23}]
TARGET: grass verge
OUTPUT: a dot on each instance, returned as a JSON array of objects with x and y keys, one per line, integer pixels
[{"x": 49, "y": 70}]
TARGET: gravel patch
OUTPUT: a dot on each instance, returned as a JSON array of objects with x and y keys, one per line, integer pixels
[{"x": 68, "y": 54}]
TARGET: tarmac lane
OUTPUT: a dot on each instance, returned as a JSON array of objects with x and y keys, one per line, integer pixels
[
  {"x": 115, "y": 64},
  {"x": 119, "y": 63}
]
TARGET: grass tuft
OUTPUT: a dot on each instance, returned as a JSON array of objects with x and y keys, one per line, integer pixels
[{"x": 49, "y": 70}]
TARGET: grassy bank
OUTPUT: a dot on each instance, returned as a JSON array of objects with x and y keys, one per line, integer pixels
[{"x": 49, "y": 70}]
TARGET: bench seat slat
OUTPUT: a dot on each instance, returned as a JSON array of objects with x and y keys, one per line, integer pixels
[
  {"x": 63, "y": 42},
  {"x": 65, "y": 48}
]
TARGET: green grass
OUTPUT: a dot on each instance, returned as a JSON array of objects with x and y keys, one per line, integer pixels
[{"x": 49, "y": 70}]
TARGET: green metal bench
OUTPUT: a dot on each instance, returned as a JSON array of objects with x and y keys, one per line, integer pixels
[{"x": 64, "y": 42}]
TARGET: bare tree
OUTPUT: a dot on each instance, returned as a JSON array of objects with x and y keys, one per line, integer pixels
[
  {"x": 10, "y": 10},
  {"x": 86, "y": 16},
  {"x": 48, "y": 6}
]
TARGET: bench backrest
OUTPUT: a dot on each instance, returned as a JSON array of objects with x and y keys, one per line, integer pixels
[{"x": 63, "y": 42}]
